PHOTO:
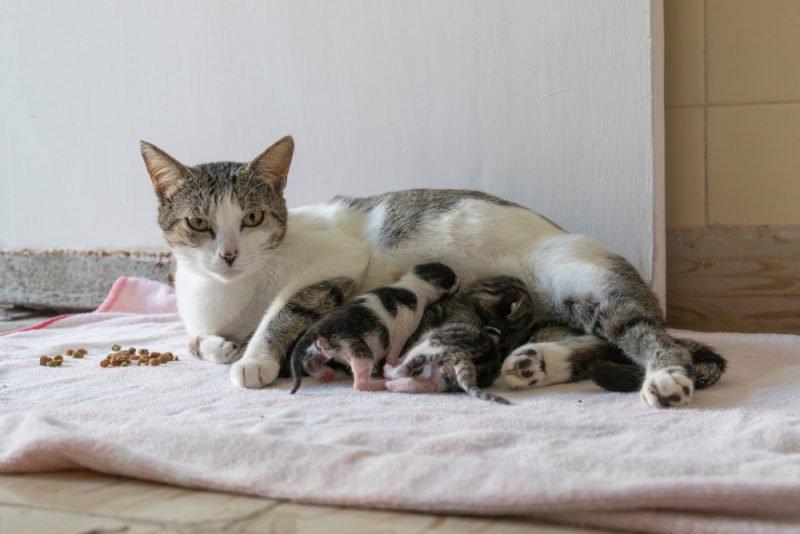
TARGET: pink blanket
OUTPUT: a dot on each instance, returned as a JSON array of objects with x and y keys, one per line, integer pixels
[{"x": 572, "y": 453}]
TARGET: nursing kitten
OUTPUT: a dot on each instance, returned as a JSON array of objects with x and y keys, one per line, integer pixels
[
  {"x": 375, "y": 325},
  {"x": 453, "y": 357},
  {"x": 557, "y": 353},
  {"x": 460, "y": 340},
  {"x": 252, "y": 274}
]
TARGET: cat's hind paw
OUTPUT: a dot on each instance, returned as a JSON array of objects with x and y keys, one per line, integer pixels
[
  {"x": 667, "y": 388},
  {"x": 524, "y": 368},
  {"x": 411, "y": 385},
  {"x": 214, "y": 349},
  {"x": 251, "y": 373}
]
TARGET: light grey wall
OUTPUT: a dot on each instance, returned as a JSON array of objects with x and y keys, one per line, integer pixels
[{"x": 548, "y": 103}]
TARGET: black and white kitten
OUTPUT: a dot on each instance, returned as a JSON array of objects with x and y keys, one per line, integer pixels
[{"x": 373, "y": 326}]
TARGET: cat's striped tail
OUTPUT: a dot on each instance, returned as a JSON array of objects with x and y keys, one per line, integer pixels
[
  {"x": 706, "y": 369},
  {"x": 465, "y": 376}
]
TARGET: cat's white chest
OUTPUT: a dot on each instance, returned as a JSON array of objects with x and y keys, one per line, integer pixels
[{"x": 232, "y": 310}]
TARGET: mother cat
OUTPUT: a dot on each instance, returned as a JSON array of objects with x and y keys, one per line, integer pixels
[{"x": 249, "y": 270}]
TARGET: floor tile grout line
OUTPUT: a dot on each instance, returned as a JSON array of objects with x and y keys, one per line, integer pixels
[
  {"x": 247, "y": 517},
  {"x": 151, "y": 522},
  {"x": 94, "y": 515}
]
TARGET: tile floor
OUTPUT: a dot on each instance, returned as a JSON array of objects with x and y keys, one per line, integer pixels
[{"x": 86, "y": 502}]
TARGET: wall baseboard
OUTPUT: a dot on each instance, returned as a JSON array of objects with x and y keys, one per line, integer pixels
[
  {"x": 742, "y": 279},
  {"x": 73, "y": 279}
]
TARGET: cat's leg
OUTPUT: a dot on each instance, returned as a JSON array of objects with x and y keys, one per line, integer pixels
[
  {"x": 361, "y": 360},
  {"x": 413, "y": 385},
  {"x": 289, "y": 315},
  {"x": 414, "y": 375},
  {"x": 362, "y": 376},
  {"x": 543, "y": 363},
  {"x": 602, "y": 294}
]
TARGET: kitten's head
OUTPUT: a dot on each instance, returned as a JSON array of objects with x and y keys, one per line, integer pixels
[
  {"x": 438, "y": 275},
  {"x": 222, "y": 219},
  {"x": 507, "y": 306}
]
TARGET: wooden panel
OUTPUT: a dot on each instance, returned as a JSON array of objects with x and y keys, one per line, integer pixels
[{"x": 734, "y": 279}]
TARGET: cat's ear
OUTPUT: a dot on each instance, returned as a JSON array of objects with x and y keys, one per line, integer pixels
[
  {"x": 494, "y": 333},
  {"x": 273, "y": 164},
  {"x": 166, "y": 172},
  {"x": 517, "y": 309}
]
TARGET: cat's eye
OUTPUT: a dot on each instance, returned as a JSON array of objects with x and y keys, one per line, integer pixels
[
  {"x": 198, "y": 224},
  {"x": 254, "y": 218}
]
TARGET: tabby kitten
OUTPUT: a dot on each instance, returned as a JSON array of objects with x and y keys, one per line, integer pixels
[
  {"x": 460, "y": 340},
  {"x": 452, "y": 357}
]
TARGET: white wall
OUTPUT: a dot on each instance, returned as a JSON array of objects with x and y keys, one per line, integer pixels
[{"x": 547, "y": 103}]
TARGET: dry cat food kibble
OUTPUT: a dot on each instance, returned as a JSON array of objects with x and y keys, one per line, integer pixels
[
  {"x": 127, "y": 357},
  {"x": 76, "y": 353},
  {"x": 118, "y": 358}
]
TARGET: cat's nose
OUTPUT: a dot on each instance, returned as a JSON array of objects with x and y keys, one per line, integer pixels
[{"x": 229, "y": 257}]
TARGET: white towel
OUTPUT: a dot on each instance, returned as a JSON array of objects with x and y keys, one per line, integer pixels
[{"x": 728, "y": 462}]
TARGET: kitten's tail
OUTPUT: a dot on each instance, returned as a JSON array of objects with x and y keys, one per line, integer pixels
[
  {"x": 297, "y": 356},
  {"x": 706, "y": 369},
  {"x": 465, "y": 376}
]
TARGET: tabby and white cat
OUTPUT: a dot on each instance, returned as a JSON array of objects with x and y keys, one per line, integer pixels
[{"x": 249, "y": 270}]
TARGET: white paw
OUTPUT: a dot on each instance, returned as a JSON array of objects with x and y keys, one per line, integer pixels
[
  {"x": 390, "y": 372},
  {"x": 215, "y": 349},
  {"x": 251, "y": 373},
  {"x": 668, "y": 387},
  {"x": 525, "y": 368}
]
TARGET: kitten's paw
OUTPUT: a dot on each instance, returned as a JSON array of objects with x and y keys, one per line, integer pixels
[
  {"x": 667, "y": 388},
  {"x": 390, "y": 372},
  {"x": 524, "y": 368},
  {"x": 411, "y": 385},
  {"x": 326, "y": 374},
  {"x": 250, "y": 373},
  {"x": 214, "y": 349}
]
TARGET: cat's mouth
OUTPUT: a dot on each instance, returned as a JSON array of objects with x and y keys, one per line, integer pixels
[{"x": 226, "y": 273}]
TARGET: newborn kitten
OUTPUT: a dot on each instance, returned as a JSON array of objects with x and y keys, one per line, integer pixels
[
  {"x": 463, "y": 340},
  {"x": 453, "y": 357},
  {"x": 373, "y": 326}
]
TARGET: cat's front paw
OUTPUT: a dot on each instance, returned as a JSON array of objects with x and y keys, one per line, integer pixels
[
  {"x": 252, "y": 373},
  {"x": 667, "y": 388},
  {"x": 214, "y": 349},
  {"x": 525, "y": 368}
]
